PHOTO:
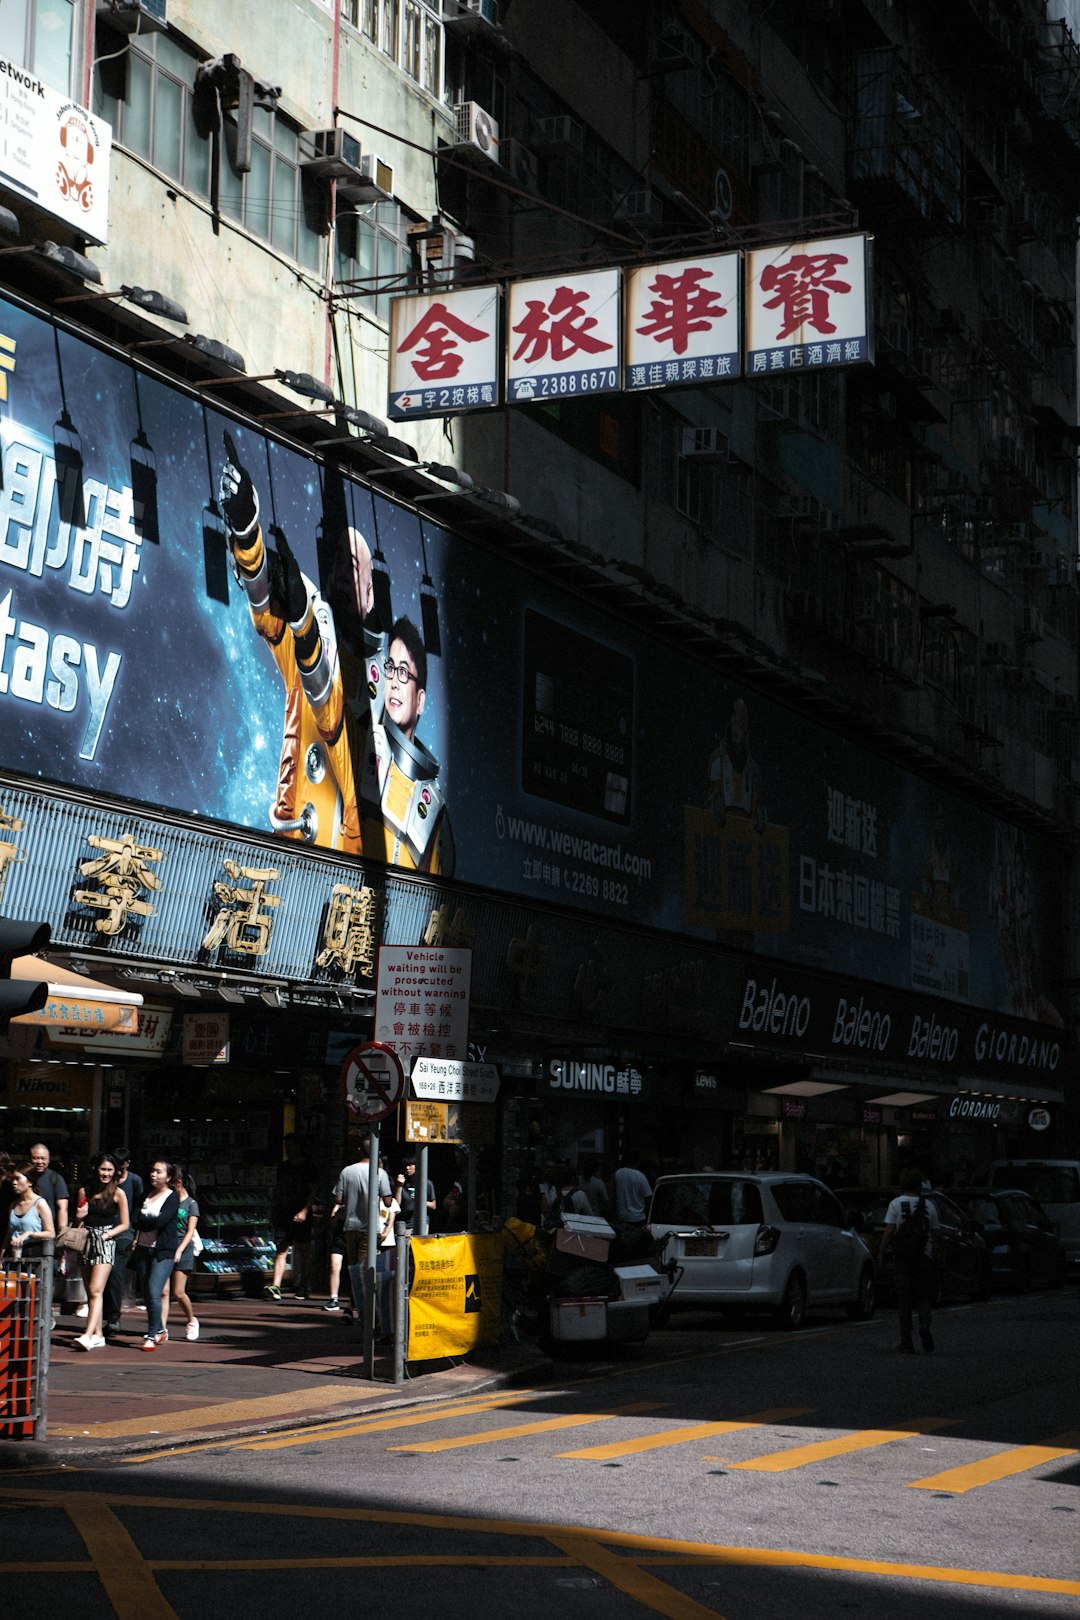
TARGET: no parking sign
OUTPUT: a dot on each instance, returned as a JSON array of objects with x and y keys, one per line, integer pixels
[{"x": 372, "y": 1082}]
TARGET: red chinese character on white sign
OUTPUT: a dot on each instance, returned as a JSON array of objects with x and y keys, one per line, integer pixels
[
  {"x": 440, "y": 331},
  {"x": 802, "y": 288},
  {"x": 557, "y": 329},
  {"x": 680, "y": 306}
]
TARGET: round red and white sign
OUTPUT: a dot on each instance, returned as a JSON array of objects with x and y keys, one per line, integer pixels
[{"x": 372, "y": 1081}]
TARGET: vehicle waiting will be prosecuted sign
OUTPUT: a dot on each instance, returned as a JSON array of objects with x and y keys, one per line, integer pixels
[{"x": 422, "y": 1000}]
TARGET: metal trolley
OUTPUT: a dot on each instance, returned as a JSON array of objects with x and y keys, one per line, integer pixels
[{"x": 26, "y": 1295}]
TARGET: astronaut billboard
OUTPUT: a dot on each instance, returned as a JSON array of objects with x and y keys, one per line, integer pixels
[{"x": 198, "y": 618}]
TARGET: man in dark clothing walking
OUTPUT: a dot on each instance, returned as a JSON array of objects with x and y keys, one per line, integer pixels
[{"x": 910, "y": 1221}]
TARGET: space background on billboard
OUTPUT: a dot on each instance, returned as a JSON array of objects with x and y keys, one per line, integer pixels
[{"x": 569, "y": 758}]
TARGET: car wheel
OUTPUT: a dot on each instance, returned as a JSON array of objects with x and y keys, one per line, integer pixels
[
  {"x": 791, "y": 1312},
  {"x": 861, "y": 1308}
]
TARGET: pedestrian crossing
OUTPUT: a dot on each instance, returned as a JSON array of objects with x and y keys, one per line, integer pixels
[{"x": 979, "y": 1462}]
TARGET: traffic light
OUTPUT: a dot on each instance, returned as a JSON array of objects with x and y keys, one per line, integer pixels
[{"x": 20, "y": 995}]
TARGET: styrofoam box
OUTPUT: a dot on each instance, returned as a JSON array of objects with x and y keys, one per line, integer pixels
[
  {"x": 583, "y": 1245},
  {"x": 579, "y": 1318},
  {"x": 627, "y": 1319},
  {"x": 639, "y": 1282}
]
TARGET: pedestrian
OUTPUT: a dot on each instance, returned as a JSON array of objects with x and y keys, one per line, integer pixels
[
  {"x": 594, "y": 1186},
  {"x": 569, "y": 1198},
  {"x": 631, "y": 1194},
  {"x": 102, "y": 1210},
  {"x": 29, "y": 1217},
  {"x": 188, "y": 1246},
  {"x": 337, "y": 1260},
  {"x": 351, "y": 1197},
  {"x": 910, "y": 1222},
  {"x": 290, "y": 1217},
  {"x": 131, "y": 1186},
  {"x": 386, "y": 1260},
  {"x": 50, "y": 1184},
  {"x": 155, "y": 1246},
  {"x": 406, "y": 1193}
]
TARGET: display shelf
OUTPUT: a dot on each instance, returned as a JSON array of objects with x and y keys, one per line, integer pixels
[{"x": 237, "y": 1237}]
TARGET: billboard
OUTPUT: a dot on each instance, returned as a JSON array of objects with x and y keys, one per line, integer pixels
[
  {"x": 198, "y": 618},
  {"x": 54, "y": 152}
]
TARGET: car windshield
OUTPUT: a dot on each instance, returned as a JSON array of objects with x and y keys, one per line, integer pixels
[
  {"x": 704, "y": 1201},
  {"x": 984, "y": 1210},
  {"x": 1047, "y": 1183}
]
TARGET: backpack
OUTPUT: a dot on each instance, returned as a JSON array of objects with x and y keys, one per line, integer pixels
[{"x": 912, "y": 1235}]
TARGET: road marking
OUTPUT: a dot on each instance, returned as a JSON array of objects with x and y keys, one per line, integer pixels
[
  {"x": 129, "y": 1585},
  {"x": 344, "y": 1428},
  {"x": 1003, "y": 1463},
  {"x": 296, "y": 1400},
  {"x": 779, "y": 1462},
  {"x": 518, "y": 1431},
  {"x": 681, "y": 1437},
  {"x": 626, "y": 1575},
  {"x": 656, "y": 1551}
]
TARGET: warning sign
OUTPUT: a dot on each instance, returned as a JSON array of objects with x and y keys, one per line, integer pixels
[{"x": 372, "y": 1081}]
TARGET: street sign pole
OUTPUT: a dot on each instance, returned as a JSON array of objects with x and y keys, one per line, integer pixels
[
  {"x": 421, "y": 1193},
  {"x": 372, "y": 1257}
]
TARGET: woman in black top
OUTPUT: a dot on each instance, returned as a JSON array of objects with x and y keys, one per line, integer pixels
[
  {"x": 102, "y": 1208},
  {"x": 155, "y": 1246}
]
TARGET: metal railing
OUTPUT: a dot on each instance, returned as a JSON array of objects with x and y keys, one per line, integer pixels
[{"x": 26, "y": 1296}]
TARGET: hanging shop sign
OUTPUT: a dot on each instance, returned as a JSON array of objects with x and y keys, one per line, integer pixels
[
  {"x": 444, "y": 353},
  {"x": 562, "y": 336},
  {"x": 807, "y": 306},
  {"x": 422, "y": 1000},
  {"x": 682, "y": 321},
  {"x": 621, "y": 1080},
  {"x": 372, "y": 1082},
  {"x": 455, "y": 1299},
  {"x": 206, "y": 1038},
  {"x": 147, "y": 1041},
  {"x": 446, "y": 1080},
  {"x": 53, "y": 152},
  {"x": 1039, "y": 1119}
]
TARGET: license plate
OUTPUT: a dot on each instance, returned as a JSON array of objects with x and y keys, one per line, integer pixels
[{"x": 700, "y": 1248}]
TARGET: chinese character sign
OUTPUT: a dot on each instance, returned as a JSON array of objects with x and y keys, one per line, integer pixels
[
  {"x": 807, "y": 306},
  {"x": 444, "y": 353},
  {"x": 562, "y": 336},
  {"x": 422, "y": 1001},
  {"x": 682, "y": 321}
]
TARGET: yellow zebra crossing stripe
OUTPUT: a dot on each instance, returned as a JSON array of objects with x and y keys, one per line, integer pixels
[
  {"x": 780, "y": 1462},
  {"x": 1017, "y": 1460},
  {"x": 684, "y": 1436},
  {"x": 518, "y": 1431}
]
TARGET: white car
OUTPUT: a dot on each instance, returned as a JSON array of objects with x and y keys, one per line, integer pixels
[{"x": 779, "y": 1242}]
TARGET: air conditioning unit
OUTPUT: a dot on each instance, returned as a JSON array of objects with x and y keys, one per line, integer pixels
[
  {"x": 468, "y": 16},
  {"x": 475, "y": 130},
  {"x": 996, "y": 652},
  {"x": 562, "y": 134},
  {"x": 133, "y": 16},
  {"x": 703, "y": 444},
  {"x": 639, "y": 208},
  {"x": 520, "y": 163},
  {"x": 330, "y": 154},
  {"x": 1032, "y": 625},
  {"x": 376, "y": 183}
]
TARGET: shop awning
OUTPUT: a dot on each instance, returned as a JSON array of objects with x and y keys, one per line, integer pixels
[{"x": 77, "y": 1002}]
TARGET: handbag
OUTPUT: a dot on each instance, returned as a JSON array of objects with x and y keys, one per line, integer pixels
[{"x": 72, "y": 1239}]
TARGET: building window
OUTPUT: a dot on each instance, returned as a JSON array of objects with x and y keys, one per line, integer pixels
[
  {"x": 408, "y": 31},
  {"x": 37, "y": 34},
  {"x": 147, "y": 94},
  {"x": 269, "y": 200},
  {"x": 371, "y": 249}
]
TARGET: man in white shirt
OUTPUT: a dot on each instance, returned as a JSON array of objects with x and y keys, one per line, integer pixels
[{"x": 632, "y": 1194}]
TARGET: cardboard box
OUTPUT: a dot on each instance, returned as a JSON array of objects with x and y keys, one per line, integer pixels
[
  {"x": 579, "y": 1318},
  {"x": 640, "y": 1283}
]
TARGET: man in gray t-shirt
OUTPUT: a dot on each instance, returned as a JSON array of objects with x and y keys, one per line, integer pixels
[{"x": 351, "y": 1196}]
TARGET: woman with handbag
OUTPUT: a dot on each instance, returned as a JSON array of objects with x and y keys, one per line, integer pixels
[
  {"x": 155, "y": 1246},
  {"x": 102, "y": 1212},
  {"x": 29, "y": 1217},
  {"x": 188, "y": 1245}
]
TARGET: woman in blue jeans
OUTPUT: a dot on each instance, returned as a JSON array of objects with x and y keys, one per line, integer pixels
[{"x": 155, "y": 1245}]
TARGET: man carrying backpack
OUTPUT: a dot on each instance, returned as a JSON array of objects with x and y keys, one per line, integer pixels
[{"x": 909, "y": 1235}]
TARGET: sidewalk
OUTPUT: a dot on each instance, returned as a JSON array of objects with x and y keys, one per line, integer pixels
[{"x": 256, "y": 1366}]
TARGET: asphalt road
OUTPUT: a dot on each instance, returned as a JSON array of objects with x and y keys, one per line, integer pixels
[{"x": 719, "y": 1469}]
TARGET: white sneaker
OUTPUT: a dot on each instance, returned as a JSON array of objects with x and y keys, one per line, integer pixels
[
  {"x": 84, "y": 1342},
  {"x": 97, "y": 1341},
  {"x": 193, "y": 1328},
  {"x": 83, "y": 1310}
]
